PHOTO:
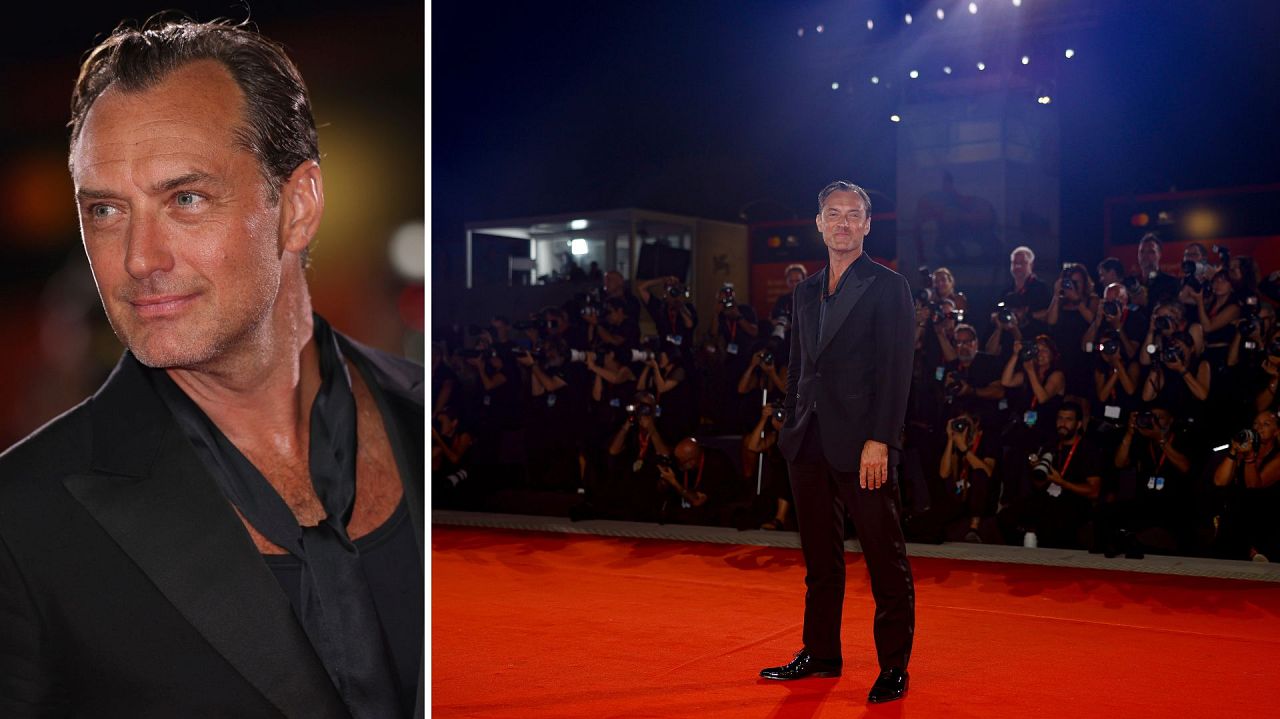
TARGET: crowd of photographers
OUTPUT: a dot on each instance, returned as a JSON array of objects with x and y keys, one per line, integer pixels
[{"x": 1120, "y": 413}]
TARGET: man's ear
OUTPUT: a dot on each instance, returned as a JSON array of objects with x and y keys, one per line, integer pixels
[{"x": 301, "y": 206}]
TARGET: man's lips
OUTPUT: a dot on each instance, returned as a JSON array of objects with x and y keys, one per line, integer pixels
[{"x": 160, "y": 305}]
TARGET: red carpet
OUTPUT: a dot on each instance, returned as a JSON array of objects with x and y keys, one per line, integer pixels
[{"x": 566, "y": 626}]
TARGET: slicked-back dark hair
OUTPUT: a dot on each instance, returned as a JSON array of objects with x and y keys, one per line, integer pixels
[{"x": 277, "y": 127}]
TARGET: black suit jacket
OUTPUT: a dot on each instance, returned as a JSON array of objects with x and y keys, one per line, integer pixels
[
  {"x": 128, "y": 585},
  {"x": 855, "y": 379}
]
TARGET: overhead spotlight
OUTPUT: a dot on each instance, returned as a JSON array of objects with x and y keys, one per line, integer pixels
[
  {"x": 578, "y": 246},
  {"x": 973, "y": 8},
  {"x": 875, "y": 80},
  {"x": 982, "y": 66},
  {"x": 946, "y": 69},
  {"x": 914, "y": 74},
  {"x": 835, "y": 86},
  {"x": 799, "y": 32},
  {"x": 819, "y": 28},
  {"x": 895, "y": 118},
  {"x": 1017, "y": 3},
  {"x": 871, "y": 24},
  {"x": 907, "y": 19},
  {"x": 1069, "y": 53},
  {"x": 577, "y": 224},
  {"x": 1026, "y": 60},
  {"x": 1044, "y": 99},
  {"x": 941, "y": 13}
]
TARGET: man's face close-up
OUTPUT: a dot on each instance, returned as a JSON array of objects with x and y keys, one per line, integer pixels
[
  {"x": 176, "y": 217},
  {"x": 844, "y": 221}
]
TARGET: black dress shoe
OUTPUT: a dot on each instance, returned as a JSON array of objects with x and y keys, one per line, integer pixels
[
  {"x": 890, "y": 685},
  {"x": 802, "y": 667}
]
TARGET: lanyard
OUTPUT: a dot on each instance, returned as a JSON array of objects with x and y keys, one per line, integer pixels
[
  {"x": 697, "y": 482},
  {"x": 1164, "y": 454},
  {"x": 1072, "y": 453},
  {"x": 964, "y": 466},
  {"x": 644, "y": 444},
  {"x": 733, "y": 331}
]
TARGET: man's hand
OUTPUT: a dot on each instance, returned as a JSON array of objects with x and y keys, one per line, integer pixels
[
  {"x": 524, "y": 358},
  {"x": 874, "y": 469},
  {"x": 668, "y": 476}
]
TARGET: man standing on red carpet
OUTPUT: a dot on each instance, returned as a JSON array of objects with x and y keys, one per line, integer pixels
[{"x": 850, "y": 371}]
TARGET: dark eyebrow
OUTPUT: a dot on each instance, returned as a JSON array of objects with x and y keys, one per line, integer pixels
[{"x": 190, "y": 178}]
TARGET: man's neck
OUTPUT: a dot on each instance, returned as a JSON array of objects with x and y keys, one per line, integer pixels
[
  {"x": 839, "y": 263},
  {"x": 262, "y": 390}
]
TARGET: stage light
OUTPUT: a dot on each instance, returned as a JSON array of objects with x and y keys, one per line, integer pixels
[
  {"x": 973, "y": 8},
  {"x": 982, "y": 66},
  {"x": 1017, "y": 3},
  {"x": 907, "y": 19},
  {"x": 577, "y": 224},
  {"x": 875, "y": 80},
  {"x": 835, "y": 86},
  {"x": 1069, "y": 53},
  {"x": 871, "y": 24},
  {"x": 1026, "y": 60},
  {"x": 895, "y": 118},
  {"x": 1044, "y": 100},
  {"x": 578, "y": 246},
  {"x": 914, "y": 74},
  {"x": 946, "y": 69},
  {"x": 942, "y": 14},
  {"x": 819, "y": 28}
]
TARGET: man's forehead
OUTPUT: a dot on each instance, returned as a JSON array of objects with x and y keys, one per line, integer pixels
[
  {"x": 193, "y": 110},
  {"x": 843, "y": 200}
]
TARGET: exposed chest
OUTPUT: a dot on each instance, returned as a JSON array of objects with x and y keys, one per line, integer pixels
[{"x": 378, "y": 484}]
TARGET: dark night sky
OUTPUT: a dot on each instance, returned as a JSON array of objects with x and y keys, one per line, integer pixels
[{"x": 701, "y": 107}]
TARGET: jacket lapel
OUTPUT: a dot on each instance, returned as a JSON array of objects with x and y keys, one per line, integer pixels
[
  {"x": 841, "y": 305},
  {"x": 150, "y": 492},
  {"x": 810, "y": 296}
]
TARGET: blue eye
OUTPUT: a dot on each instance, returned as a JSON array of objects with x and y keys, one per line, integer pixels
[
  {"x": 102, "y": 211},
  {"x": 186, "y": 199}
]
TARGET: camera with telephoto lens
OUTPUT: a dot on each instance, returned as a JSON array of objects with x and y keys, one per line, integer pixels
[
  {"x": 924, "y": 297},
  {"x": 1111, "y": 308},
  {"x": 1028, "y": 352},
  {"x": 1041, "y": 463},
  {"x": 678, "y": 290},
  {"x": 960, "y": 424},
  {"x": 1171, "y": 353},
  {"x": 1004, "y": 314},
  {"x": 1144, "y": 420},
  {"x": 584, "y": 355},
  {"x": 1164, "y": 323},
  {"x": 641, "y": 410},
  {"x": 1248, "y": 439}
]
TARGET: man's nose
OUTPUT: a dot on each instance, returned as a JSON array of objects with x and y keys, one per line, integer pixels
[{"x": 146, "y": 248}]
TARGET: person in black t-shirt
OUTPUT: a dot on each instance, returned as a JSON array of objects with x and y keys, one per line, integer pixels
[
  {"x": 1065, "y": 479},
  {"x": 1011, "y": 322},
  {"x": 672, "y": 312},
  {"x": 1154, "y": 286},
  {"x": 1152, "y": 510},
  {"x": 1250, "y": 474},
  {"x": 973, "y": 377},
  {"x": 960, "y": 490},
  {"x": 1022, "y": 263},
  {"x": 1118, "y": 315}
]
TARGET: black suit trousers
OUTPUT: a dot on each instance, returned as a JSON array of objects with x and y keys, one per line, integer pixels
[{"x": 823, "y": 497}]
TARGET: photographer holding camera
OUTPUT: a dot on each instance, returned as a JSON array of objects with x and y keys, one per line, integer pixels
[
  {"x": 1026, "y": 285},
  {"x": 1249, "y": 346},
  {"x": 1217, "y": 314},
  {"x": 1267, "y": 398},
  {"x": 610, "y": 327},
  {"x": 615, "y": 287},
  {"x": 1118, "y": 316},
  {"x": 667, "y": 377},
  {"x": 960, "y": 491},
  {"x": 634, "y": 455},
  {"x": 1115, "y": 378},
  {"x": 672, "y": 312},
  {"x": 944, "y": 288},
  {"x": 973, "y": 377},
  {"x": 450, "y": 465},
  {"x": 1110, "y": 271},
  {"x": 1178, "y": 377},
  {"x": 1065, "y": 479},
  {"x": 1249, "y": 472},
  {"x": 736, "y": 325},
  {"x": 1033, "y": 381},
  {"x": 1011, "y": 322},
  {"x": 698, "y": 486},
  {"x": 1167, "y": 319},
  {"x": 554, "y": 433},
  {"x": 1155, "y": 512},
  {"x": 1072, "y": 312},
  {"x": 776, "y": 482}
]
